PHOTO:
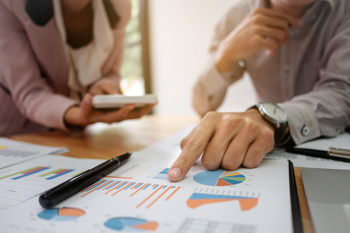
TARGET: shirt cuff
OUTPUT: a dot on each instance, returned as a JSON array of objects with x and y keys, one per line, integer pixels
[
  {"x": 212, "y": 81},
  {"x": 302, "y": 122}
]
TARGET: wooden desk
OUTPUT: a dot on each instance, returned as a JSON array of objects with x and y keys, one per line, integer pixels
[{"x": 106, "y": 141}]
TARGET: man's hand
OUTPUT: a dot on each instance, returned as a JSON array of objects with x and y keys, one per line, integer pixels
[
  {"x": 228, "y": 140},
  {"x": 85, "y": 114},
  {"x": 262, "y": 29}
]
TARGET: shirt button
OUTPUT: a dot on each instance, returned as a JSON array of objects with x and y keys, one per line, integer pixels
[
  {"x": 305, "y": 131},
  {"x": 286, "y": 69},
  {"x": 291, "y": 34}
]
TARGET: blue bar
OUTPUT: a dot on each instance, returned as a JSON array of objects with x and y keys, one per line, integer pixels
[
  {"x": 58, "y": 175},
  {"x": 114, "y": 185},
  {"x": 121, "y": 185},
  {"x": 138, "y": 186},
  {"x": 165, "y": 186},
  {"x": 93, "y": 186},
  {"x": 130, "y": 185},
  {"x": 155, "y": 186},
  {"x": 146, "y": 187},
  {"x": 111, "y": 181}
]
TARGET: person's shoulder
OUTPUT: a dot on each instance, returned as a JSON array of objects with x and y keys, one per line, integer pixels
[
  {"x": 237, "y": 11},
  {"x": 241, "y": 8},
  {"x": 123, "y": 9},
  {"x": 9, "y": 4},
  {"x": 245, "y": 6},
  {"x": 5, "y": 3}
]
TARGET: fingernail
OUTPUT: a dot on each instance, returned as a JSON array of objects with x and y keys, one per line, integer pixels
[
  {"x": 175, "y": 174},
  {"x": 86, "y": 100},
  {"x": 301, "y": 23}
]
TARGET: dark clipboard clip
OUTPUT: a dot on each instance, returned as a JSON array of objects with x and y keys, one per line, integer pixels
[{"x": 296, "y": 214}]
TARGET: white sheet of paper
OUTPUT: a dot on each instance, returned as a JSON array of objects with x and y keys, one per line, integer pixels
[
  {"x": 139, "y": 197},
  {"x": 299, "y": 160},
  {"x": 341, "y": 141},
  {"x": 23, "y": 181},
  {"x": 13, "y": 152}
]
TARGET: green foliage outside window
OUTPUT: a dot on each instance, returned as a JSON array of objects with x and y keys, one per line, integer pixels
[{"x": 132, "y": 65}]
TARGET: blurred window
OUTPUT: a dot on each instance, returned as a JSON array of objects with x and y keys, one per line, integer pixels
[{"x": 135, "y": 67}]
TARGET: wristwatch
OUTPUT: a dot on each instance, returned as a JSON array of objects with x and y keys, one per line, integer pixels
[{"x": 278, "y": 118}]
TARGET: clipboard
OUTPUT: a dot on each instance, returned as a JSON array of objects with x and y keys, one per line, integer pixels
[
  {"x": 336, "y": 148},
  {"x": 294, "y": 199}
]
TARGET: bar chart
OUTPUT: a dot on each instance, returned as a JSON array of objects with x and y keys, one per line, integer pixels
[
  {"x": 23, "y": 181},
  {"x": 148, "y": 194},
  {"x": 56, "y": 173},
  {"x": 200, "y": 197},
  {"x": 25, "y": 173},
  {"x": 163, "y": 175}
]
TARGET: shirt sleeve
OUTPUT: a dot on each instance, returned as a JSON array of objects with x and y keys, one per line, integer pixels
[
  {"x": 325, "y": 111},
  {"x": 211, "y": 87},
  {"x": 21, "y": 75}
]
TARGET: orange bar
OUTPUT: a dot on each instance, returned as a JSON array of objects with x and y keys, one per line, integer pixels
[
  {"x": 122, "y": 189},
  {"x": 117, "y": 186},
  {"x": 149, "y": 196},
  {"x": 120, "y": 177},
  {"x": 136, "y": 185},
  {"x": 92, "y": 186},
  {"x": 138, "y": 190},
  {"x": 159, "y": 197},
  {"x": 172, "y": 193},
  {"x": 110, "y": 185},
  {"x": 91, "y": 190}
]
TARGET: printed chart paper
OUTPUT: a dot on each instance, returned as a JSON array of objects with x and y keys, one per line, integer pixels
[
  {"x": 13, "y": 152},
  {"x": 23, "y": 181},
  {"x": 138, "y": 197}
]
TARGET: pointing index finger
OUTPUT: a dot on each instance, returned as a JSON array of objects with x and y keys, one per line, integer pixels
[{"x": 192, "y": 150}]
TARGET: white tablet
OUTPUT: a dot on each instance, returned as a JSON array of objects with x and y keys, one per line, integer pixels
[{"x": 118, "y": 101}]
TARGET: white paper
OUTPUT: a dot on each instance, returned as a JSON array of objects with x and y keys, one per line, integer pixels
[
  {"x": 308, "y": 161},
  {"x": 13, "y": 152},
  {"x": 23, "y": 181},
  {"x": 139, "y": 197},
  {"x": 341, "y": 141}
]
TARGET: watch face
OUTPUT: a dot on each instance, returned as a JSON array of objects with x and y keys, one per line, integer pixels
[{"x": 275, "y": 112}]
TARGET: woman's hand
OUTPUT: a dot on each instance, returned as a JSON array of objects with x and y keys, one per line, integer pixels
[
  {"x": 226, "y": 140},
  {"x": 105, "y": 87},
  {"x": 85, "y": 114}
]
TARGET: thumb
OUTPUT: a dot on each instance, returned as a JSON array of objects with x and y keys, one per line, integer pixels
[{"x": 86, "y": 106}]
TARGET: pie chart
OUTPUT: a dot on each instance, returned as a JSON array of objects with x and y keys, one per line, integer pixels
[
  {"x": 61, "y": 214},
  {"x": 219, "y": 178},
  {"x": 128, "y": 224}
]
